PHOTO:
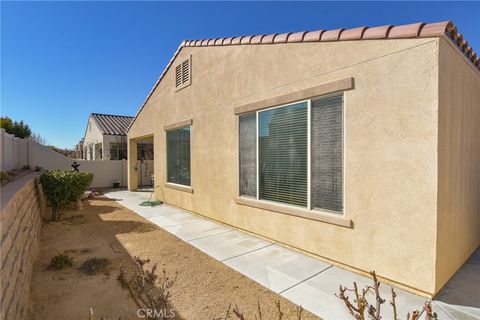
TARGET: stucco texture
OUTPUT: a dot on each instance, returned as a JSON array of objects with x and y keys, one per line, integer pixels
[
  {"x": 390, "y": 146},
  {"x": 458, "y": 162}
]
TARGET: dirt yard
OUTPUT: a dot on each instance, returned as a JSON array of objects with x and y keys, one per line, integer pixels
[{"x": 104, "y": 229}]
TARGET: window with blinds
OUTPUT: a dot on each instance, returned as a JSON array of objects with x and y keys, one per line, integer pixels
[
  {"x": 327, "y": 153},
  {"x": 293, "y": 154},
  {"x": 248, "y": 155},
  {"x": 282, "y": 154},
  {"x": 183, "y": 74},
  {"x": 178, "y": 156}
]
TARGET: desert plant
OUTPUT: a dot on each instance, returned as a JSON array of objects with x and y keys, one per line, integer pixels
[
  {"x": 148, "y": 290},
  {"x": 60, "y": 261},
  {"x": 62, "y": 187},
  {"x": 360, "y": 304},
  {"x": 259, "y": 315},
  {"x": 95, "y": 265}
]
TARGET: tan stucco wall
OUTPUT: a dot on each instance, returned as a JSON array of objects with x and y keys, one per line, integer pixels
[
  {"x": 390, "y": 146},
  {"x": 458, "y": 162}
]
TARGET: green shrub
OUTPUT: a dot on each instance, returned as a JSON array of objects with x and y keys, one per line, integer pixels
[
  {"x": 3, "y": 176},
  {"x": 62, "y": 187},
  {"x": 26, "y": 167},
  {"x": 7, "y": 176}
]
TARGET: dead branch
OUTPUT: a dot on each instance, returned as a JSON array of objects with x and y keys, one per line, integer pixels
[
  {"x": 238, "y": 314},
  {"x": 394, "y": 304},
  {"x": 279, "y": 310},
  {"x": 360, "y": 303},
  {"x": 147, "y": 289}
]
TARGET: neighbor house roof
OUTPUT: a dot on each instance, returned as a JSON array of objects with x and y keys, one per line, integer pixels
[
  {"x": 111, "y": 124},
  {"x": 407, "y": 31}
]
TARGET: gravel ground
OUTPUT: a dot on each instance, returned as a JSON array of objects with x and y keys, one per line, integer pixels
[{"x": 205, "y": 288}]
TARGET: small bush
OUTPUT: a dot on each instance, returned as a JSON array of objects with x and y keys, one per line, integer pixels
[
  {"x": 60, "y": 261},
  {"x": 38, "y": 169},
  {"x": 8, "y": 176},
  {"x": 62, "y": 187},
  {"x": 95, "y": 265},
  {"x": 3, "y": 176},
  {"x": 26, "y": 167}
]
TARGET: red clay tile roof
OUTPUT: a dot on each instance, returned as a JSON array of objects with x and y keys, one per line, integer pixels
[
  {"x": 414, "y": 30},
  {"x": 111, "y": 124}
]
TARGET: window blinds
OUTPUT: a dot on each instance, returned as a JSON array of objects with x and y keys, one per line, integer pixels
[
  {"x": 248, "y": 158},
  {"x": 327, "y": 153},
  {"x": 282, "y": 152}
]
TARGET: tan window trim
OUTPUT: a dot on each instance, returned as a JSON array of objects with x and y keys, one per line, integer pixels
[
  {"x": 325, "y": 88},
  {"x": 178, "y": 125},
  {"x": 179, "y": 187},
  {"x": 298, "y": 212}
]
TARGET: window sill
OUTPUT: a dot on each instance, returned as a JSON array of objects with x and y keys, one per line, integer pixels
[
  {"x": 299, "y": 212},
  {"x": 179, "y": 187}
]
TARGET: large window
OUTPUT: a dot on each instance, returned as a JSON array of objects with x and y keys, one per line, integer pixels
[
  {"x": 118, "y": 151},
  {"x": 293, "y": 154},
  {"x": 178, "y": 156},
  {"x": 282, "y": 154}
]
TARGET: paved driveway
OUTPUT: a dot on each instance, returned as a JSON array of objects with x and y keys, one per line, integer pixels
[{"x": 301, "y": 279}]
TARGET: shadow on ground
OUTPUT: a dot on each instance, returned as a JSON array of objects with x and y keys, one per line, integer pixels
[{"x": 464, "y": 287}]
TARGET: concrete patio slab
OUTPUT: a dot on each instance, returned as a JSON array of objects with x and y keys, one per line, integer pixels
[
  {"x": 230, "y": 244},
  {"x": 173, "y": 219},
  {"x": 277, "y": 268},
  {"x": 301, "y": 279},
  {"x": 318, "y": 295},
  {"x": 197, "y": 230}
]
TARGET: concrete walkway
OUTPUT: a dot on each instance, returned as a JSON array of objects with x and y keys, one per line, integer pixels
[{"x": 303, "y": 280}]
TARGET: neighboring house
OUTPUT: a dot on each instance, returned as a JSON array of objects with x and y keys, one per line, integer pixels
[
  {"x": 106, "y": 137},
  {"x": 359, "y": 146}
]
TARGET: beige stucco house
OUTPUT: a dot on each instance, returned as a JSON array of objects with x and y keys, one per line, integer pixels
[
  {"x": 106, "y": 137},
  {"x": 360, "y": 147}
]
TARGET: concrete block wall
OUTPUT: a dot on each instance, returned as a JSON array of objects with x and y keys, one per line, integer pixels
[
  {"x": 21, "y": 217},
  {"x": 16, "y": 153}
]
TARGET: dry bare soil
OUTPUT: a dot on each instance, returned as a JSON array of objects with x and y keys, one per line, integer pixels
[{"x": 104, "y": 229}]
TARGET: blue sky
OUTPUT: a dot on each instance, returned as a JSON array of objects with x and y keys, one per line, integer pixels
[{"x": 60, "y": 61}]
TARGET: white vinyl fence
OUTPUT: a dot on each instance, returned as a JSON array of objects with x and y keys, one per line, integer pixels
[{"x": 16, "y": 153}]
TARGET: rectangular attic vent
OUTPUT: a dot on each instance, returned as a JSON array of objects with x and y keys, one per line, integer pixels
[{"x": 183, "y": 74}]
